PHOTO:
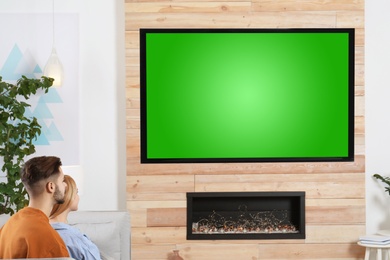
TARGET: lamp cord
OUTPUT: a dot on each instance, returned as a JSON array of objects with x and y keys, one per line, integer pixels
[{"x": 53, "y": 22}]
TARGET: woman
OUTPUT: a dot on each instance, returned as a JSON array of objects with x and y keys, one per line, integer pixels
[{"x": 79, "y": 245}]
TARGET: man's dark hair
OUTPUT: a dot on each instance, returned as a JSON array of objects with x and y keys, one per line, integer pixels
[{"x": 39, "y": 168}]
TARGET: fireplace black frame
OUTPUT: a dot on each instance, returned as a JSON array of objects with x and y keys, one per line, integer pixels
[{"x": 205, "y": 203}]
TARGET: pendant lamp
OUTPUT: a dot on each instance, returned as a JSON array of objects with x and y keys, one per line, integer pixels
[{"x": 53, "y": 68}]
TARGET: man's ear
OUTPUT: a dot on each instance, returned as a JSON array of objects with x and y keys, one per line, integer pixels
[{"x": 50, "y": 187}]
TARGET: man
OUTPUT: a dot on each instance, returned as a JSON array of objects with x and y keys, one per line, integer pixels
[{"x": 28, "y": 234}]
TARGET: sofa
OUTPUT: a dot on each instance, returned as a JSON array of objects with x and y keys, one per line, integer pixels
[{"x": 109, "y": 230}]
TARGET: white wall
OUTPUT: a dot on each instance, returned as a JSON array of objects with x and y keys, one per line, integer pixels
[
  {"x": 102, "y": 95},
  {"x": 102, "y": 70},
  {"x": 377, "y": 89}
]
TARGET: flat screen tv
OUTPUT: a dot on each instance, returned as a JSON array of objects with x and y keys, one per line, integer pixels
[{"x": 247, "y": 95}]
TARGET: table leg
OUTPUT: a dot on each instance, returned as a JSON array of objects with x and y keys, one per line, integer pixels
[
  {"x": 379, "y": 254},
  {"x": 367, "y": 255}
]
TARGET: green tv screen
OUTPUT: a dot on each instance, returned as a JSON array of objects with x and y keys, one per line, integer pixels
[{"x": 247, "y": 95}]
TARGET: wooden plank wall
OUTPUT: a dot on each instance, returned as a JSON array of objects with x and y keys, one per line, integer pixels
[{"x": 156, "y": 194}]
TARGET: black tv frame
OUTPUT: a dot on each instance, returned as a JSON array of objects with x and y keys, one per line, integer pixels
[{"x": 351, "y": 93}]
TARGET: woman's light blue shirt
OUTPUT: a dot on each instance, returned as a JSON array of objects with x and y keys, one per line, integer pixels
[{"x": 80, "y": 247}]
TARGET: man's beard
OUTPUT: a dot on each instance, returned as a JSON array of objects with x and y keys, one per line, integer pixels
[{"x": 58, "y": 196}]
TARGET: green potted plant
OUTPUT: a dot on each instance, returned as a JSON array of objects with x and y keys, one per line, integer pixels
[
  {"x": 385, "y": 180},
  {"x": 17, "y": 133}
]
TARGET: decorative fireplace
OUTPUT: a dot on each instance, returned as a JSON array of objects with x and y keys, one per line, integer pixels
[{"x": 245, "y": 215}]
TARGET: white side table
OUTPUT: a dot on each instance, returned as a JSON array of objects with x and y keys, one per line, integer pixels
[{"x": 378, "y": 249}]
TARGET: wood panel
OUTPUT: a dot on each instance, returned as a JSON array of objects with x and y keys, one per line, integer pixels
[
  {"x": 316, "y": 234},
  {"x": 313, "y": 251},
  {"x": 156, "y": 193},
  {"x": 172, "y": 217},
  {"x": 234, "y": 20},
  {"x": 185, "y": 7},
  {"x": 135, "y": 168},
  {"x": 319, "y": 5}
]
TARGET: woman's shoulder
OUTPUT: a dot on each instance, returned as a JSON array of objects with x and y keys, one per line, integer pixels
[{"x": 69, "y": 231}]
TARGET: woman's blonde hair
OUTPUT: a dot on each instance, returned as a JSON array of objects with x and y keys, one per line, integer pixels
[{"x": 70, "y": 193}]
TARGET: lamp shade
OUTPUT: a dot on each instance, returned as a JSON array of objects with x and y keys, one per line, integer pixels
[{"x": 54, "y": 69}]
